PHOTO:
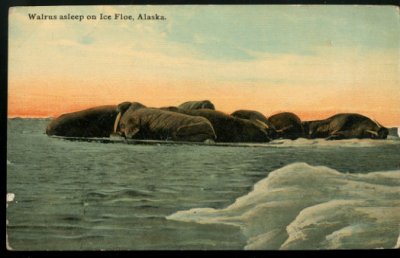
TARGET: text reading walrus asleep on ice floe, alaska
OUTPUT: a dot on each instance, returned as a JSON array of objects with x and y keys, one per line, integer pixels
[{"x": 100, "y": 16}]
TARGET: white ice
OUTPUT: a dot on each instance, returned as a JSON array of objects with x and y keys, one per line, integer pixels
[{"x": 308, "y": 207}]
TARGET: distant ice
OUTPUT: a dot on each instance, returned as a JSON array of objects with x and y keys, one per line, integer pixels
[
  {"x": 302, "y": 142},
  {"x": 394, "y": 131},
  {"x": 7, "y": 243},
  {"x": 313, "y": 207},
  {"x": 30, "y": 118},
  {"x": 10, "y": 197},
  {"x": 398, "y": 242}
]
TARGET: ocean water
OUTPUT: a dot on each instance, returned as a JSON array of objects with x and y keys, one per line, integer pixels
[{"x": 303, "y": 194}]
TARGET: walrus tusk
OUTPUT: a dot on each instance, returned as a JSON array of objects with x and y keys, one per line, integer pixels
[
  {"x": 117, "y": 122},
  {"x": 215, "y": 135},
  {"x": 283, "y": 129},
  {"x": 378, "y": 124},
  {"x": 372, "y": 132},
  {"x": 262, "y": 123}
]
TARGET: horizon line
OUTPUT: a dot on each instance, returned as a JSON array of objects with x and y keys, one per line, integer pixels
[{"x": 53, "y": 117}]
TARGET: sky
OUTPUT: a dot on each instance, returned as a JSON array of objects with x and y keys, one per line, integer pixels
[{"x": 315, "y": 61}]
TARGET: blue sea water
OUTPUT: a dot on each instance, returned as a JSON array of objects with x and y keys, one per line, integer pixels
[{"x": 303, "y": 194}]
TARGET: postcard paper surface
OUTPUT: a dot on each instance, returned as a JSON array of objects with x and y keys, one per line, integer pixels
[{"x": 203, "y": 127}]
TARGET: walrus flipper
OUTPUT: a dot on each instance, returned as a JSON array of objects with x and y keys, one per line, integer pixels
[{"x": 339, "y": 135}]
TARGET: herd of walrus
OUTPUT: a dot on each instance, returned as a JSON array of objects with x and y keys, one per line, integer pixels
[{"x": 198, "y": 121}]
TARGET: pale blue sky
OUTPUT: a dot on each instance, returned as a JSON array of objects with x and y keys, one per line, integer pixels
[
  {"x": 235, "y": 32},
  {"x": 240, "y": 32}
]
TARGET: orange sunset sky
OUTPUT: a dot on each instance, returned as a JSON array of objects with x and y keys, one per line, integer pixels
[{"x": 312, "y": 60}]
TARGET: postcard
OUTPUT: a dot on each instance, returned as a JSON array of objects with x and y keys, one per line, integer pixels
[{"x": 203, "y": 127}]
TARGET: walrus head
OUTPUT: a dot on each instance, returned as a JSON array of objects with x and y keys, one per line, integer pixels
[
  {"x": 122, "y": 108},
  {"x": 382, "y": 133},
  {"x": 269, "y": 128},
  {"x": 379, "y": 132}
]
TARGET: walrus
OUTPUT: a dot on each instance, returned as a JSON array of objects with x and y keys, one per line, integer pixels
[
  {"x": 345, "y": 126},
  {"x": 259, "y": 117},
  {"x": 203, "y": 104},
  {"x": 92, "y": 122},
  {"x": 155, "y": 124},
  {"x": 288, "y": 125},
  {"x": 232, "y": 129}
]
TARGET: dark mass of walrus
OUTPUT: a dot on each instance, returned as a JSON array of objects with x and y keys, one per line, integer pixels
[
  {"x": 197, "y": 121},
  {"x": 170, "y": 108},
  {"x": 232, "y": 129},
  {"x": 139, "y": 122},
  {"x": 257, "y": 116},
  {"x": 250, "y": 115},
  {"x": 345, "y": 126},
  {"x": 92, "y": 122},
  {"x": 203, "y": 104},
  {"x": 288, "y": 125}
]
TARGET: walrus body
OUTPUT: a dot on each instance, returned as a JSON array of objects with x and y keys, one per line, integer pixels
[
  {"x": 190, "y": 105},
  {"x": 170, "y": 108},
  {"x": 256, "y": 116},
  {"x": 345, "y": 126},
  {"x": 288, "y": 125},
  {"x": 231, "y": 129},
  {"x": 250, "y": 115},
  {"x": 92, "y": 122},
  {"x": 156, "y": 124}
]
